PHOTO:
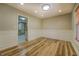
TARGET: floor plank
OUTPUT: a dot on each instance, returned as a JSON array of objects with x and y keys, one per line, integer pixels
[
  {"x": 42, "y": 47},
  {"x": 50, "y": 47}
]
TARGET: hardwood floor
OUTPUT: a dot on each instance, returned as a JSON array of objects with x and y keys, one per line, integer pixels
[
  {"x": 12, "y": 51},
  {"x": 42, "y": 47},
  {"x": 49, "y": 47}
]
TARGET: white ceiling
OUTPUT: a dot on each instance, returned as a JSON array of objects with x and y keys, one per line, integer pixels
[{"x": 30, "y": 8}]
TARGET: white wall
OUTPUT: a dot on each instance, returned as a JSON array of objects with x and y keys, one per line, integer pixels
[
  {"x": 9, "y": 26},
  {"x": 59, "y": 27},
  {"x": 8, "y": 39},
  {"x": 34, "y": 28}
]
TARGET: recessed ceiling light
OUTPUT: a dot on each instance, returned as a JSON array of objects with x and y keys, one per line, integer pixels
[
  {"x": 42, "y": 15},
  {"x": 46, "y": 7},
  {"x": 36, "y": 11},
  {"x": 22, "y": 3},
  {"x": 59, "y": 10}
]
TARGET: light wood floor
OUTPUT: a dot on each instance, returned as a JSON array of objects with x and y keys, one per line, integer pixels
[
  {"x": 42, "y": 47},
  {"x": 49, "y": 47}
]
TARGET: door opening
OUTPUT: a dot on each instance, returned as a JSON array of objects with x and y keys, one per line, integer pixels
[{"x": 22, "y": 29}]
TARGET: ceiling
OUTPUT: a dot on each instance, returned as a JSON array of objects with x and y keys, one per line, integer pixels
[{"x": 35, "y": 9}]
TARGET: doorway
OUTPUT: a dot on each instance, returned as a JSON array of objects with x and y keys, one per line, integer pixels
[
  {"x": 22, "y": 29},
  {"x": 77, "y": 23}
]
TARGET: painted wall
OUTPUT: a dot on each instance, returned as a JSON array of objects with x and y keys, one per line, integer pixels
[
  {"x": 59, "y": 27},
  {"x": 34, "y": 28},
  {"x": 9, "y": 26}
]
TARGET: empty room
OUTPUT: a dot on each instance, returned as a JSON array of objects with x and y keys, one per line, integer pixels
[{"x": 39, "y": 29}]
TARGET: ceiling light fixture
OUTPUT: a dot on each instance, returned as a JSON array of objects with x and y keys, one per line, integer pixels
[
  {"x": 60, "y": 11},
  {"x": 36, "y": 11},
  {"x": 22, "y": 3},
  {"x": 46, "y": 7},
  {"x": 42, "y": 15}
]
